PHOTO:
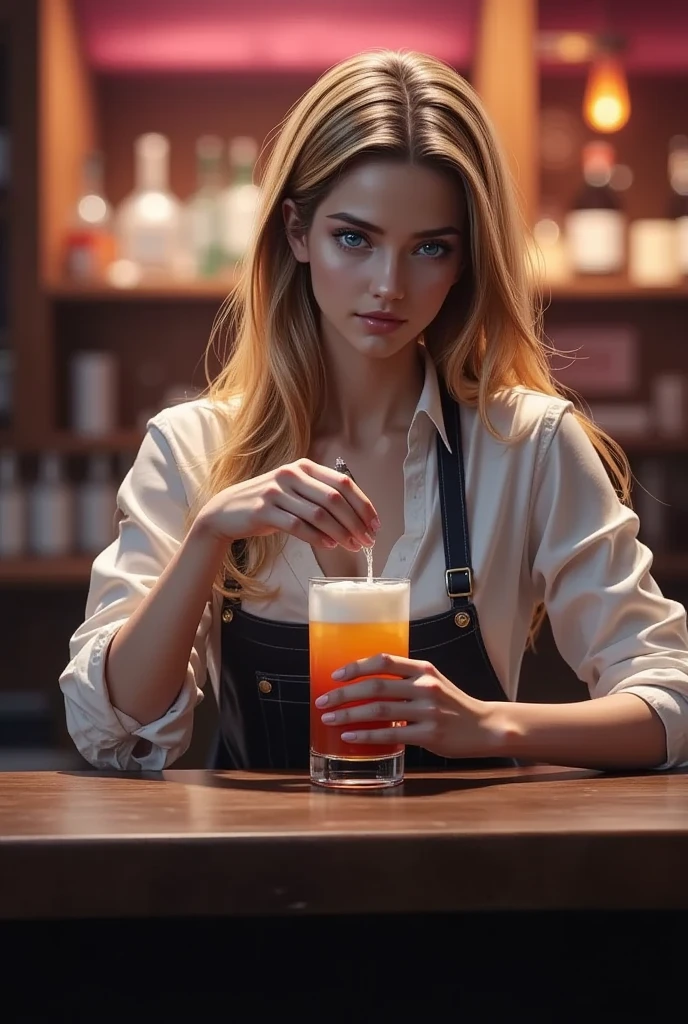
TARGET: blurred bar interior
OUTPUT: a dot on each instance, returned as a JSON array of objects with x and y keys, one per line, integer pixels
[{"x": 131, "y": 136}]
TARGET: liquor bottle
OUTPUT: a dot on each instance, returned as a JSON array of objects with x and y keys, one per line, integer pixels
[
  {"x": 93, "y": 392},
  {"x": 96, "y": 501},
  {"x": 203, "y": 231},
  {"x": 6, "y": 385},
  {"x": 549, "y": 256},
  {"x": 89, "y": 245},
  {"x": 596, "y": 225},
  {"x": 12, "y": 508},
  {"x": 678, "y": 211},
  {"x": 149, "y": 219},
  {"x": 239, "y": 200},
  {"x": 50, "y": 509}
]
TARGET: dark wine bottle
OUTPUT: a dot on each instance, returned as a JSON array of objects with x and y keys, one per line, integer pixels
[{"x": 596, "y": 224}]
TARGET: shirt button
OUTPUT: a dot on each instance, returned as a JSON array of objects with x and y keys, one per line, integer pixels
[
  {"x": 265, "y": 686},
  {"x": 227, "y": 615}
]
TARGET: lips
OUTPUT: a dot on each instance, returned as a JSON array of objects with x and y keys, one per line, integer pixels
[
  {"x": 378, "y": 322},
  {"x": 383, "y": 317}
]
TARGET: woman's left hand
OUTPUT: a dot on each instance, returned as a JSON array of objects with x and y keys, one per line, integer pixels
[{"x": 438, "y": 715}]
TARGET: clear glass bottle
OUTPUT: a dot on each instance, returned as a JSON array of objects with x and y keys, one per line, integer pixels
[
  {"x": 239, "y": 200},
  {"x": 678, "y": 210},
  {"x": 50, "y": 509},
  {"x": 89, "y": 239},
  {"x": 6, "y": 385},
  {"x": 203, "y": 229},
  {"x": 96, "y": 501},
  {"x": 549, "y": 257},
  {"x": 149, "y": 219},
  {"x": 93, "y": 393},
  {"x": 596, "y": 224},
  {"x": 12, "y": 508}
]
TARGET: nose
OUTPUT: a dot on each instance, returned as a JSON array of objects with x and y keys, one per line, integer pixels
[{"x": 387, "y": 280}]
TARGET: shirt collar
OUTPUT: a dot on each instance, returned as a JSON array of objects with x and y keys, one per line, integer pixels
[{"x": 430, "y": 401}]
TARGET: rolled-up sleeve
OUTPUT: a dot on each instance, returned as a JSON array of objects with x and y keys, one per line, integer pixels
[
  {"x": 152, "y": 504},
  {"x": 609, "y": 619}
]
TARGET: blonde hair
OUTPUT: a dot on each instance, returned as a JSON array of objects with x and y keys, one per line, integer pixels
[{"x": 487, "y": 335}]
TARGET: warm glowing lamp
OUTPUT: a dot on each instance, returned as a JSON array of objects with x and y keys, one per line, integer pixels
[{"x": 606, "y": 104}]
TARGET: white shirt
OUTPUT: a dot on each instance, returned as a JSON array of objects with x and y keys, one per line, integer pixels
[{"x": 544, "y": 522}]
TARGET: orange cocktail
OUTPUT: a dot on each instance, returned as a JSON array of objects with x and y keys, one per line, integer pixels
[{"x": 350, "y": 619}]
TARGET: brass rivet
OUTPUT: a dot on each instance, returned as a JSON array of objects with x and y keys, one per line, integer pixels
[
  {"x": 265, "y": 686},
  {"x": 227, "y": 615},
  {"x": 462, "y": 619}
]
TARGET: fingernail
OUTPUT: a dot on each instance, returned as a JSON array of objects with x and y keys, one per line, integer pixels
[
  {"x": 328, "y": 717},
  {"x": 321, "y": 701},
  {"x": 376, "y": 524},
  {"x": 349, "y": 736},
  {"x": 368, "y": 540},
  {"x": 338, "y": 674},
  {"x": 329, "y": 543}
]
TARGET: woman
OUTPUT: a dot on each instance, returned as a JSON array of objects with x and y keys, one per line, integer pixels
[{"x": 384, "y": 316}]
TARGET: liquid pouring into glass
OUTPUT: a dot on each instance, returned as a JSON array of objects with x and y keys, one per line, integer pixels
[{"x": 341, "y": 467}]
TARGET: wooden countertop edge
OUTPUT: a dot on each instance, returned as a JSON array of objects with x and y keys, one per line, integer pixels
[{"x": 296, "y": 876}]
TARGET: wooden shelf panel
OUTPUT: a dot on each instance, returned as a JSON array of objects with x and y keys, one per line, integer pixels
[
  {"x": 215, "y": 290},
  {"x": 31, "y": 570},
  {"x": 617, "y": 288}
]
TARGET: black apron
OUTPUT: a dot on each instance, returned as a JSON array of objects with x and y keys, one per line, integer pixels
[{"x": 264, "y": 674}]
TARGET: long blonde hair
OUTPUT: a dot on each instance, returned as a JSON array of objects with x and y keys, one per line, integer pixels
[{"x": 487, "y": 335}]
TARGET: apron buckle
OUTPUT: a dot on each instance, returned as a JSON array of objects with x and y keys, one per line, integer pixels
[{"x": 459, "y": 582}]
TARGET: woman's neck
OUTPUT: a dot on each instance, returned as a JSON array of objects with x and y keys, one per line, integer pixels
[{"x": 368, "y": 398}]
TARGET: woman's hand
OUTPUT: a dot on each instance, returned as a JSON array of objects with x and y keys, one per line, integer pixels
[
  {"x": 312, "y": 502},
  {"x": 437, "y": 715}
]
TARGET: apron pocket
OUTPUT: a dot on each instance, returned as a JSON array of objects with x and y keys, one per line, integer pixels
[{"x": 284, "y": 702}]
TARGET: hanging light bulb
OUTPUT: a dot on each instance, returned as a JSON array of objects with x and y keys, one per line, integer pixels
[{"x": 606, "y": 104}]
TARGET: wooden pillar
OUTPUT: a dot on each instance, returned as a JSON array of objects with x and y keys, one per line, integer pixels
[
  {"x": 32, "y": 386},
  {"x": 67, "y": 123},
  {"x": 506, "y": 77}
]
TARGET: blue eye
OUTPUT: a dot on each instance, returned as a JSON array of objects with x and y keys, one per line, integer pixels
[
  {"x": 438, "y": 247},
  {"x": 348, "y": 239}
]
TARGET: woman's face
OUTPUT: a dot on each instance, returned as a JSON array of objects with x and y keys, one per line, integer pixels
[{"x": 387, "y": 240}]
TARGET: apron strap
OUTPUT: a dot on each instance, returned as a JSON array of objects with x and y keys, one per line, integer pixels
[{"x": 458, "y": 576}]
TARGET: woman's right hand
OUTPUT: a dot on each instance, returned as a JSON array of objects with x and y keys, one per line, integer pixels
[{"x": 317, "y": 504}]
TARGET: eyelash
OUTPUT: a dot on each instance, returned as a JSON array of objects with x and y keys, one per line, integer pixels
[{"x": 343, "y": 232}]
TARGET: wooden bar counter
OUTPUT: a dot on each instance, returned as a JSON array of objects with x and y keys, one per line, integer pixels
[{"x": 180, "y": 843}]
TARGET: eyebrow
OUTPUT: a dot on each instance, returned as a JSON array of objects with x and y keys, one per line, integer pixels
[{"x": 357, "y": 222}]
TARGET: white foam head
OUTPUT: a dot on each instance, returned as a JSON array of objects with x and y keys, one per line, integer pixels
[{"x": 359, "y": 601}]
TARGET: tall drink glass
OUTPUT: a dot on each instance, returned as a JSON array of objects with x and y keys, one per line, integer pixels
[{"x": 349, "y": 619}]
